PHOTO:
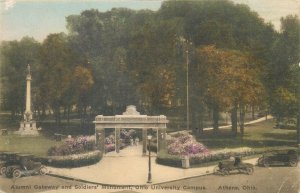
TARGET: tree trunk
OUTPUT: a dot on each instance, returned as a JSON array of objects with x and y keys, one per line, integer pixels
[
  {"x": 84, "y": 116},
  {"x": 57, "y": 115},
  {"x": 39, "y": 113},
  {"x": 216, "y": 118},
  {"x": 253, "y": 112},
  {"x": 12, "y": 115},
  {"x": 298, "y": 129},
  {"x": 43, "y": 112},
  {"x": 242, "y": 119},
  {"x": 234, "y": 120},
  {"x": 201, "y": 124},
  {"x": 80, "y": 115},
  {"x": 278, "y": 121},
  {"x": 194, "y": 121},
  {"x": 68, "y": 116},
  {"x": 65, "y": 112}
]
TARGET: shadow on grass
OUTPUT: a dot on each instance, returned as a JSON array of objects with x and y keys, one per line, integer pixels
[
  {"x": 238, "y": 142},
  {"x": 73, "y": 128},
  {"x": 285, "y": 136},
  {"x": 221, "y": 134},
  {"x": 257, "y": 138}
]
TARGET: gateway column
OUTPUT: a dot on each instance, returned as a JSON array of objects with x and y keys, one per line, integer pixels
[
  {"x": 100, "y": 139},
  {"x": 117, "y": 140},
  {"x": 144, "y": 136}
]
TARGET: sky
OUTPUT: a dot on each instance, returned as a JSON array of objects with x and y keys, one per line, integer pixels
[{"x": 38, "y": 18}]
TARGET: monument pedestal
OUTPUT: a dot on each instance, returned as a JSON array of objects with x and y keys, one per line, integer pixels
[{"x": 28, "y": 128}]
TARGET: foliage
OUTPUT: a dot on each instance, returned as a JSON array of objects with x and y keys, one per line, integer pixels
[
  {"x": 165, "y": 158},
  {"x": 82, "y": 82},
  {"x": 283, "y": 71},
  {"x": 184, "y": 144},
  {"x": 109, "y": 143},
  {"x": 15, "y": 56},
  {"x": 285, "y": 101},
  {"x": 232, "y": 73},
  {"x": 71, "y": 146},
  {"x": 73, "y": 160},
  {"x": 125, "y": 137},
  {"x": 118, "y": 57},
  {"x": 215, "y": 156}
]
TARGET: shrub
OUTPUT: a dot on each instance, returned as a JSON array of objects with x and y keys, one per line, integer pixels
[
  {"x": 76, "y": 145},
  {"x": 74, "y": 160},
  {"x": 110, "y": 139},
  {"x": 185, "y": 144},
  {"x": 170, "y": 160},
  {"x": 110, "y": 143},
  {"x": 180, "y": 145},
  {"x": 127, "y": 135},
  {"x": 153, "y": 146},
  {"x": 165, "y": 158},
  {"x": 109, "y": 147}
]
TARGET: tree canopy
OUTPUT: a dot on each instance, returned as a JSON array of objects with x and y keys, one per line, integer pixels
[{"x": 111, "y": 59}]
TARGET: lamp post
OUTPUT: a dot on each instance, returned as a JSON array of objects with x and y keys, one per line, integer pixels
[
  {"x": 149, "y": 137},
  {"x": 298, "y": 113},
  {"x": 187, "y": 44},
  {"x": 187, "y": 88}
]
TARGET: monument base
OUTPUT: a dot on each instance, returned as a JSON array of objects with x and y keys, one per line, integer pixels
[{"x": 28, "y": 128}]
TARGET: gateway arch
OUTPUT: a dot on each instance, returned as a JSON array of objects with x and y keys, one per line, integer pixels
[{"x": 131, "y": 119}]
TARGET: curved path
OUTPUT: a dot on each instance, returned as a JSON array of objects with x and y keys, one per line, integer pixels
[
  {"x": 227, "y": 126},
  {"x": 129, "y": 167}
]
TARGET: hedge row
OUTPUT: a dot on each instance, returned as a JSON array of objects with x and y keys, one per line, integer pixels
[
  {"x": 168, "y": 160},
  {"x": 175, "y": 160},
  {"x": 74, "y": 160},
  {"x": 153, "y": 146}
]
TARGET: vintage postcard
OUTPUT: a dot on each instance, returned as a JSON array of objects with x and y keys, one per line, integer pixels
[{"x": 158, "y": 96}]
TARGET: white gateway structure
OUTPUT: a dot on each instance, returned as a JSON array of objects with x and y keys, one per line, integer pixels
[
  {"x": 28, "y": 125},
  {"x": 131, "y": 119}
]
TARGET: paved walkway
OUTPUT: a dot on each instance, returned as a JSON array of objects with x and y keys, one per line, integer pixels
[
  {"x": 247, "y": 123},
  {"x": 228, "y": 126},
  {"x": 130, "y": 168}
]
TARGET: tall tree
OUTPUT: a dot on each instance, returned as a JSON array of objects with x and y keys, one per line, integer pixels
[
  {"x": 82, "y": 81},
  {"x": 216, "y": 93},
  {"x": 58, "y": 61},
  {"x": 231, "y": 80},
  {"x": 15, "y": 56},
  {"x": 283, "y": 70}
]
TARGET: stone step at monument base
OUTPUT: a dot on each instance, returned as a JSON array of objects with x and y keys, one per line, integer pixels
[
  {"x": 28, "y": 132},
  {"x": 28, "y": 128}
]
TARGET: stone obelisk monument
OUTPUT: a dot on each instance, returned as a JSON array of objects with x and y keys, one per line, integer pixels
[{"x": 28, "y": 125}]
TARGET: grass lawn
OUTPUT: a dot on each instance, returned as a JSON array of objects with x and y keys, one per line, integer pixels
[
  {"x": 34, "y": 145},
  {"x": 256, "y": 135}
]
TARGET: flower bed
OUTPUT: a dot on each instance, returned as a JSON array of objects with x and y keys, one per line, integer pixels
[
  {"x": 110, "y": 144},
  {"x": 74, "y": 152},
  {"x": 181, "y": 145},
  {"x": 184, "y": 144},
  {"x": 71, "y": 146},
  {"x": 74, "y": 160},
  {"x": 165, "y": 158}
]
